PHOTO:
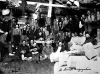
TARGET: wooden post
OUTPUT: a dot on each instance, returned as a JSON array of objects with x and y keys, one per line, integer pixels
[
  {"x": 49, "y": 12},
  {"x": 98, "y": 35},
  {"x": 50, "y": 8}
]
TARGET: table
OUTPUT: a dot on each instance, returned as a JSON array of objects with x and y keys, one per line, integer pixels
[{"x": 82, "y": 65}]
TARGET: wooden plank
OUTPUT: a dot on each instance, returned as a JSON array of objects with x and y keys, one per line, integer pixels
[
  {"x": 50, "y": 8},
  {"x": 44, "y": 4}
]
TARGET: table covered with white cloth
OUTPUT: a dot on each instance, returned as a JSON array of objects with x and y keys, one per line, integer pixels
[
  {"x": 78, "y": 65},
  {"x": 68, "y": 64}
]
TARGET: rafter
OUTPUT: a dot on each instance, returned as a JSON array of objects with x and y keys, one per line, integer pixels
[{"x": 44, "y": 4}]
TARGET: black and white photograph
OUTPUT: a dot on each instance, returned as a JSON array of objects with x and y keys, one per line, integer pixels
[{"x": 49, "y": 36}]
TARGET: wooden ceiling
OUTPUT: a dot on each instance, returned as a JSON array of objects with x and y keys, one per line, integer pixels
[
  {"x": 90, "y": 4},
  {"x": 43, "y": 1},
  {"x": 81, "y": 1}
]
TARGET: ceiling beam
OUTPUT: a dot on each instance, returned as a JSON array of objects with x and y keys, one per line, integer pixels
[{"x": 44, "y": 4}]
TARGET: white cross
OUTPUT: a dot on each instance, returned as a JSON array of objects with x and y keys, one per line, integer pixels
[
  {"x": 50, "y": 8},
  {"x": 50, "y": 5}
]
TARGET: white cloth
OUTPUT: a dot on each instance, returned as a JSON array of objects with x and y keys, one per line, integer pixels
[
  {"x": 80, "y": 24},
  {"x": 62, "y": 61},
  {"x": 74, "y": 39},
  {"x": 81, "y": 63},
  {"x": 23, "y": 58},
  {"x": 63, "y": 57},
  {"x": 26, "y": 58},
  {"x": 55, "y": 56},
  {"x": 89, "y": 50},
  {"x": 81, "y": 40},
  {"x": 76, "y": 47},
  {"x": 77, "y": 42}
]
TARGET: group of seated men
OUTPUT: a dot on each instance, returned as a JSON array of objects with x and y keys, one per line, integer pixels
[
  {"x": 32, "y": 50},
  {"x": 25, "y": 42}
]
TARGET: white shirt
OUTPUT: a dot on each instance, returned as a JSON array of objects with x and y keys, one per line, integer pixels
[{"x": 81, "y": 40}]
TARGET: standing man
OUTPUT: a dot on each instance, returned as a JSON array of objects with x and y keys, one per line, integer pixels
[{"x": 16, "y": 35}]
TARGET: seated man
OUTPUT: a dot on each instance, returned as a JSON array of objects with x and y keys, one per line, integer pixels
[
  {"x": 81, "y": 39},
  {"x": 25, "y": 53},
  {"x": 47, "y": 50},
  {"x": 77, "y": 42},
  {"x": 34, "y": 49}
]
